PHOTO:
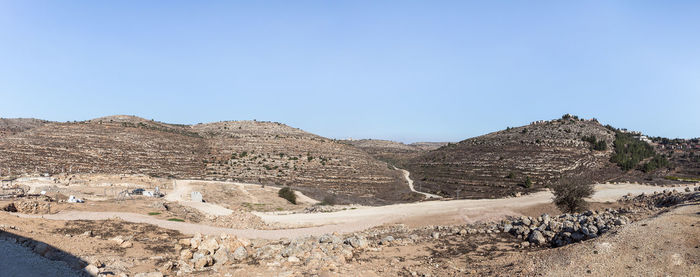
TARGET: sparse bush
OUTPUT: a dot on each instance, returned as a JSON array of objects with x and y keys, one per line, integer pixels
[
  {"x": 528, "y": 182},
  {"x": 510, "y": 175},
  {"x": 569, "y": 195},
  {"x": 288, "y": 193}
]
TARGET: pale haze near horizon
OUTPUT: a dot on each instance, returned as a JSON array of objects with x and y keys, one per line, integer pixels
[{"x": 399, "y": 70}]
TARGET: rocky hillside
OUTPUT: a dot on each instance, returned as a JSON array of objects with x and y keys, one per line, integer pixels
[
  {"x": 501, "y": 163},
  {"x": 395, "y": 153},
  {"x": 273, "y": 153},
  {"x": 250, "y": 151},
  {"x": 11, "y": 126}
]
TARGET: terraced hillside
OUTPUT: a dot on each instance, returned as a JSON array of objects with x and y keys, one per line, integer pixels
[
  {"x": 11, "y": 126},
  {"x": 120, "y": 144},
  {"x": 395, "y": 153},
  {"x": 273, "y": 153},
  {"x": 500, "y": 163},
  {"x": 260, "y": 152}
]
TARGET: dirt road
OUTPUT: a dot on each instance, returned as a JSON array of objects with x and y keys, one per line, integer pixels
[
  {"x": 366, "y": 217},
  {"x": 406, "y": 175}
]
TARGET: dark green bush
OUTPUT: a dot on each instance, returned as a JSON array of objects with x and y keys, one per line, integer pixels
[
  {"x": 569, "y": 195},
  {"x": 288, "y": 193},
  {"x": 528, "y": 182}
]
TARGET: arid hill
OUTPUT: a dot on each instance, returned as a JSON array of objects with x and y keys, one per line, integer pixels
[
  {"x": 500, "y": 163},
  {"x": 11, "y": 126},
  {"x": 274, "y": 153},
  {"x": 249, "y": 151}
]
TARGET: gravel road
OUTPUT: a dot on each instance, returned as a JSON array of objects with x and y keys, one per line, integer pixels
[{"x": 353, "y": 220}]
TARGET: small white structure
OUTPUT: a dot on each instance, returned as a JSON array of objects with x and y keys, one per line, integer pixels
[
  {"x": 147, "y": 193},
  {"x": 196, "y": 196},
  {"x": 72, "y": 199}
]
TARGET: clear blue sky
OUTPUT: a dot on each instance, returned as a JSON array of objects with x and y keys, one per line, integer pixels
[{"x": 400, "y": 70}]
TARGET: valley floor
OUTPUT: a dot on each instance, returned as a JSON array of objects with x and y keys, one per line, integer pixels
[{"x": 139, "y": 235}]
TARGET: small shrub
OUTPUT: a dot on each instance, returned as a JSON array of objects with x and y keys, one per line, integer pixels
[
  {"x": 175, "y": 219},
  {"x": 153, "y": 213},
  {"x": 528, "y": 182},
  {"x": 288, "y": 193},
  {"x": 600, "y": 145},
  {"x": 569, "y": 195},
  {"x": 510, "y": 175}
]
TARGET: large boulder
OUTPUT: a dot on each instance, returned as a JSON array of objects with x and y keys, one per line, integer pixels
[
  {"x": 357, "y": 242},
  {"x": 240, "y": 253},
  {"x": 537, "y": 237}
]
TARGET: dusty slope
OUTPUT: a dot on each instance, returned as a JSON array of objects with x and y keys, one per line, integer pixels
[
  {"x": 247, "y": 151},
  {"x": 11, "y": 126},
  {"x": 480, "y": 167}
]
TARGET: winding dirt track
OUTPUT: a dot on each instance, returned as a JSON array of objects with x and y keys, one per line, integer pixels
[
  {"x": 364, "y": 217},
  {"x": 407, "y": 175}
]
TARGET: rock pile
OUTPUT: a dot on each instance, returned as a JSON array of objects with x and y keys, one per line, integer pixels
[
  {"x": 28, "y": 207},
  {"x": 564, "y": 229},
  {"x": 326, "y": 251},
  {"x": 568, "y": 228},
  {"x": 663, "y": 199},
  {"x": 200, "y": 252}
]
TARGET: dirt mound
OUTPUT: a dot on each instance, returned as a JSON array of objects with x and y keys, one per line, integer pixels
[{"x": 28, "y": 207}]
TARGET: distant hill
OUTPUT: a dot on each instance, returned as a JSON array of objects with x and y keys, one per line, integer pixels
[
  {"x": 500, "y": 163},
  {"x": 395, "y": 153},
  {"x": 249, "y": 151}
]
